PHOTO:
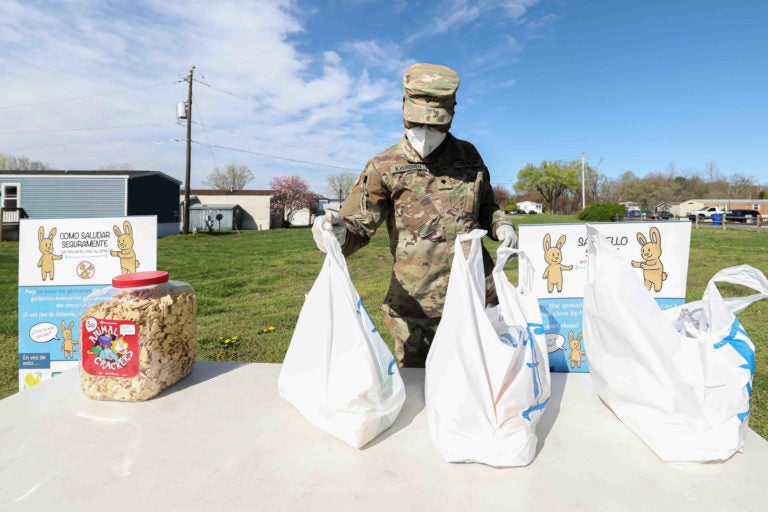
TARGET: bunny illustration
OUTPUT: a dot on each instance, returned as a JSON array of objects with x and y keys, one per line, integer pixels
[
  {"x": 128, "y": 261},
  {"x": 46, "y": 248},
  {"x": 576, "y": 353},
  {"x": 553, "y": 256},
  {"x": 69, "y": 344},
  {"x": 653, "y": 269}
]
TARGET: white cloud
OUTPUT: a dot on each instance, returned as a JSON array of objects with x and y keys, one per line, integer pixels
[
  {"x": 260, "y": 85},
  {"x": 263, "y": 84},
  {"x": 385, "y": 56},
  {"x": 446, "y": 17},
  {"x": 459, "y": 13},
  {"x": 332, "y": 58},
  {"x": 514, "y": 9}
]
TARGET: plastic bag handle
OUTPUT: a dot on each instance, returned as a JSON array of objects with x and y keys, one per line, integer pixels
[
  {"x": 473, "y": 236},
  {"x": 743, "y": 275},
  {"x": 593, "y": 238},
  {"x": 335, "y": 255},
  {"x": 333, "y": 250},
  {"x": 525, "y": 273},
  {"x": 332, "y": 246},
  {"x": 473, "y": 261}
]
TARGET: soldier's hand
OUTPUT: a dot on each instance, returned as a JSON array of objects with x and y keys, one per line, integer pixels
[
  {"x": 507, "y": 235},
  {"x": 332, "y": 222}
]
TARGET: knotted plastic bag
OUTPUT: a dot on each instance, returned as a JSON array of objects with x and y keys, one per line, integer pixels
[
  {"x": 487, "y": 372},
  {"x": 681, "y": 378},
  {"x": 338, "y": 372}
]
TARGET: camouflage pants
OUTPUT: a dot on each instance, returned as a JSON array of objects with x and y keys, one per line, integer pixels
[{"x": 413, "y": 337}]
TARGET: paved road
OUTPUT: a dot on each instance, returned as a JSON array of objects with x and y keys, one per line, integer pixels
[{"x": 735, "y": 225}]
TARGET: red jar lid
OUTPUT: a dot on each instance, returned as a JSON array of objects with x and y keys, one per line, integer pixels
[{"x": 136, "y": 279}]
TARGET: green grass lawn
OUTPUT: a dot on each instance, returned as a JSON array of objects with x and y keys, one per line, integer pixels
[{"x": 252, "y": 286}]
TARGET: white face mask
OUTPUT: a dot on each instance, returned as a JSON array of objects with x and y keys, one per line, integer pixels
[{"x": 424, "y": 139}]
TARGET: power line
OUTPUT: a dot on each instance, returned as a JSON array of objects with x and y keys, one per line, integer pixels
[
  {"x": 76, "y": 98},
  {"x": 84, "y": 129},
  {"x": 205, "y": 132},
  {"x": 251, "y": 100},
  {"x": 242, "y": 97},
  {"x": 90, "y": 144},
  {"x": 270, "y": 141},
  {"x": 278, "y": 157},
  {"x": 208, "y": 145}
]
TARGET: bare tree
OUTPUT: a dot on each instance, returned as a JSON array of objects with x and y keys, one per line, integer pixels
[
  {"x": 712, "y": 171},
  {"x": 741, "y": 186},
  {"x": 339, "y": 185},
  {"x": 232, "y": 177},
  {"x": 595, "y": 182},
  {"x": 124, "y": 166},
  {"x": 718, "y": 183},
  {"x": 21, "y": 163}
]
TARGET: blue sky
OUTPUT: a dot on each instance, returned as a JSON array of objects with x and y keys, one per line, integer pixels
[{"x": 314, "y": 87}]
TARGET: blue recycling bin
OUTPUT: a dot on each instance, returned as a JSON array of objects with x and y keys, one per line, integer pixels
[{"x": 717, "y": 219}]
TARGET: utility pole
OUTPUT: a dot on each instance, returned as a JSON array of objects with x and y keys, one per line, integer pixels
[
  {"x": 583, "y": 179},
  {"x": 189, "y": 151}
]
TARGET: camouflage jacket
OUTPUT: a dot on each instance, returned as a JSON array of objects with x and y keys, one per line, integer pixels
[{"x": 425, "y": 204}]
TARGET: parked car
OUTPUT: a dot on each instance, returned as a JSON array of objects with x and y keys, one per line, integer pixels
[
  {"x": 663, "y": 215},
  {"x": 705, "y": 213},
  {"x": 741, "y": 215}
]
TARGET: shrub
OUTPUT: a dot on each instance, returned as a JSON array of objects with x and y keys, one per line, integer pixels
[
  {"x": 602, "y": 212},
  {"x": 510, "y": 206}
]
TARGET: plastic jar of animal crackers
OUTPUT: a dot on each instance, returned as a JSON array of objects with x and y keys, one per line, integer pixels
[{"x": 138, "y": 337}]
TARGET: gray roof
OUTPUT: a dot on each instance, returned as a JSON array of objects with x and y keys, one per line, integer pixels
[
  {"x": 128, "y": 174},
  {"x": 731, "y": 199},
  {"x": 214, "y": 206},
  {"x": 215, "y": 192}
]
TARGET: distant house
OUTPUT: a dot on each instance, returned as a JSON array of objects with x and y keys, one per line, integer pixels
[
  {"x": 529, "y": 206},
  {"x": 254, "y": 205},
  {"x": 87, "y": 194},
  {"x": 305, "y": 217},
  {"x": 324, "y": 203},
  {"x": 630, "y": 206},
  {"x": 686, "y": 207}
]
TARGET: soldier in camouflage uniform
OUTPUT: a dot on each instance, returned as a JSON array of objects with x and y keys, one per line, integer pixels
[{"x": 425, "y": 202}]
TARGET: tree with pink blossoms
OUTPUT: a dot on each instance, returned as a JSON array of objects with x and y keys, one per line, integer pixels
[{"x": 291, "y": 194}]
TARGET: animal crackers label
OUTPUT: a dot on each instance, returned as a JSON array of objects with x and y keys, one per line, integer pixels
[{"x": 110, "y": 347}]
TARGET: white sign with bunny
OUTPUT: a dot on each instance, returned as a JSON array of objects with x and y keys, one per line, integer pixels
[
  {"x": 61, "y": 261},
  {"x": 658, "y": 251}
]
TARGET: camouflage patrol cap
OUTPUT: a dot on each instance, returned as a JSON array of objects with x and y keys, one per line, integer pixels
[{"x": 429, "y": 94}]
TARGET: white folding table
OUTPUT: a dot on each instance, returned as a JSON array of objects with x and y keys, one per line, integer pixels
[{"x": 223, "y": 440}]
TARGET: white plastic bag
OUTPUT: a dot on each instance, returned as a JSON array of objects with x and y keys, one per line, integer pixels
[
  {"x": 338, "y": 372},
  {"x": 487, "y": 372},
  {"x": 681, "y": 378}
]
